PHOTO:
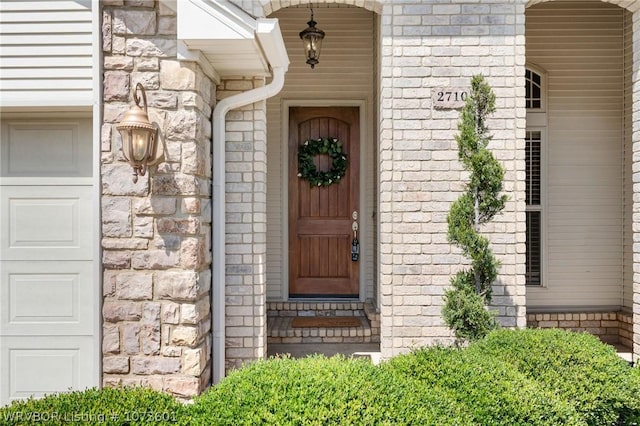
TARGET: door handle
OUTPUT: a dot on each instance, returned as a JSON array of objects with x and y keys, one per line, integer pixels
[{"x": 355, "y": 244}]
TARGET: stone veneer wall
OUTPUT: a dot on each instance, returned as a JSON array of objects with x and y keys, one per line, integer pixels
[
  {"x": 246, "y": 226},
  {"x": 156, "y": 245}
]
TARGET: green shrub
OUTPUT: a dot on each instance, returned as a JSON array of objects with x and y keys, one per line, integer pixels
[
  {"x": 284, "y": 391},
  {"x": 464, "y": 310},
  {"x": 109, "y": 406},
  {"x": 321, "y": 391},
  {"x": 576, "y": 367},
  {"x": 525, "y": 377},
  {"x": 491, "y": 392}
]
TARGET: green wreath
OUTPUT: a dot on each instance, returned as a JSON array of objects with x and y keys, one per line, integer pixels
[{"x": 307, "y": 168}]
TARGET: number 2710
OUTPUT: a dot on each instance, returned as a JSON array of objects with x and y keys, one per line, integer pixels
[{"x": 452, "y": 96}]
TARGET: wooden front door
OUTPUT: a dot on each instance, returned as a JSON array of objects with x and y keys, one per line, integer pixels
[{"x": 321, "y": 217}]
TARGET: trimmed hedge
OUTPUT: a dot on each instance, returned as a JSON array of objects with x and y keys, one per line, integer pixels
[
  {"x": 569, "y": 379},
  {"x": 490, "y": 391},
  {"x": 322, "y": 391},
  {"x": 576, "y": 367},
  {"x": 524, "y": 377}
]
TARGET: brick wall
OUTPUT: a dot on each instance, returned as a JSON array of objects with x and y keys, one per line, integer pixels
[
  {"x": 246, "y": 229},
  {"x": 156, "y": 250},
  {"x": 610, "y": 327},
  {"x": 426, "y": 45}
]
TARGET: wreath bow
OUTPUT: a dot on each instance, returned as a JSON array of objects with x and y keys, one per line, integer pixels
[{"x": 307, "y": 168}]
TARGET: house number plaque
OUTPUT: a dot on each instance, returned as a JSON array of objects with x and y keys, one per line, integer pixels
[{"x": 449, "y": 97}]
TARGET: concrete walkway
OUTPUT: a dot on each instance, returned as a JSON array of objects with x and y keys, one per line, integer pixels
[{"x": 624, "y": 353}]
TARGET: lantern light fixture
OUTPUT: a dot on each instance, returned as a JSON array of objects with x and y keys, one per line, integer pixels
[
  {"x": 139, "y": 137},
  {"x": 312, "y": 41}
]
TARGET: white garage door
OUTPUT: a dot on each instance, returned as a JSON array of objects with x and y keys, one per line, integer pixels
[{"x": 48, "y": 290}]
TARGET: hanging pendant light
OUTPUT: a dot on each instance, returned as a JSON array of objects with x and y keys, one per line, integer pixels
[{"x": 312, "y": 41}]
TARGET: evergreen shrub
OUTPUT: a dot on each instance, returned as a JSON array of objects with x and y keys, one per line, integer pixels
[
  {"x": 322, "y": 391},
  {"x": 465, "y": 309},
  {"x": 521, "y": 377},
  {"x": 490, "y": 391},
  {"x": 576, "y": 367}
]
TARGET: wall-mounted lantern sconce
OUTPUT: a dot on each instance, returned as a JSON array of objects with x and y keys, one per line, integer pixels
[
  {"x": 139, "y": 137},
  {"x": 312, "y": 41}
]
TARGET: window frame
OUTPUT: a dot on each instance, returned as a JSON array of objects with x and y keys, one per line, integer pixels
[
  {"x": 536, "y": 121},
  {"x": 543, "y": 88}
]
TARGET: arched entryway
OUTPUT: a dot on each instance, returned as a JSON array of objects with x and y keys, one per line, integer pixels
[
  {"x": 309, "y": 266},
  {"x": 580, "y": 190}
]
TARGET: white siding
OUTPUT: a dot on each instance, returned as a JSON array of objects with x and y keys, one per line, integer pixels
[
  {"x": 45, "y": 53},
  {"x": 346, "y": 73},
  {"x": 580, "y": 45}
]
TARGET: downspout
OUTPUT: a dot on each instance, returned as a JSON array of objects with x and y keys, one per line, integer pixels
[{"x": 218, "y": 209}]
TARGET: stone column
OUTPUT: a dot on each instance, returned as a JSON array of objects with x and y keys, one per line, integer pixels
[
  {"x": 246, "y": 226},
  {"x": 156, "y": 245}
]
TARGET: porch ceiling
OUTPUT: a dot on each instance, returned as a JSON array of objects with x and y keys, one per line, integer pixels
[{"x": 232, "y": 41}]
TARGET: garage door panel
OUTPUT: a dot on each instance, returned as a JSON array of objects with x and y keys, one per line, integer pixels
[
  {"x": 43, "y": 365},
  {"x": 49, "y": 280},
  {"x": 54, "y": 298},
  {"x": 47, "y": 223},
  {"x": 46, "y": 148}
]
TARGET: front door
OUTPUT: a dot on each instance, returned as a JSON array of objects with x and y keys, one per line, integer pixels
[{"x": 321, "y": 217}]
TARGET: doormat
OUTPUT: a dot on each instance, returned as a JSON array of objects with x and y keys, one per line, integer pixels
[{"x": 304, "y": 322}]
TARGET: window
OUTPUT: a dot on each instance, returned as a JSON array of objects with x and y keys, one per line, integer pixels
[
  {"x": 535, "y": 102},
  {"x": 533, "y": 87},
  {"x": 533, "y": 197}
]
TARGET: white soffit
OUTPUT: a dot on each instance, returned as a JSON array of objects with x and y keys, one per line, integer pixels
[{"x": 231, "y": 40}]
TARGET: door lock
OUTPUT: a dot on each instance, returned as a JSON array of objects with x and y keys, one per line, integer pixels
[{"x": 355, "y": 244}]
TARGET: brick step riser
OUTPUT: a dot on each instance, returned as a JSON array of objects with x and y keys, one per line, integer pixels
[
  {"x": 280, "y": 314},
  {"x": 317, "y": 313},
  {"x": 280, "y": 331},
  {"x": 320, "y": 309},
  {"x": 328, "y": 340},
  {"x": 292, "y": 309}
]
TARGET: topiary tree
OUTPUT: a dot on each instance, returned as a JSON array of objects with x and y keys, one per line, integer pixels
[{"x": 465, "y": 302}]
